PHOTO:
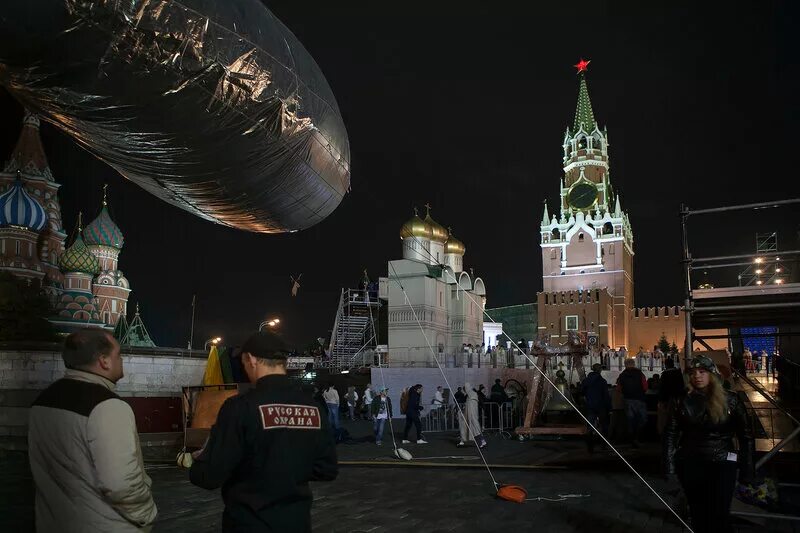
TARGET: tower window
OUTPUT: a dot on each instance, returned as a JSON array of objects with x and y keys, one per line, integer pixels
[
  {"x": 580, "y": 237},
  {"x": 556, "y": 234},
  {"x": 611, "y": 249},
  {"x": 572, "y": 323},
  {"x": 608, "y": 228},
  {"x": 552, "y": 253},
  {"x": 18, "y": 247},
  {"x": 582, "y": 143}
]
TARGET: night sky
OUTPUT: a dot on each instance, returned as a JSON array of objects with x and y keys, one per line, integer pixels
[{"x": 465, "y": 106}]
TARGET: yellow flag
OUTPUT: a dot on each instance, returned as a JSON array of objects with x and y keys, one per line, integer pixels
[{"x": 213, "y": 373}]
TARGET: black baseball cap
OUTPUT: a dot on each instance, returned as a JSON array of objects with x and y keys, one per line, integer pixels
[{"x": 265, "y": 345}]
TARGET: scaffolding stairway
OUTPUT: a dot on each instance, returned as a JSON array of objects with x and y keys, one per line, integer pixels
[{"x": 353, "y": 334}]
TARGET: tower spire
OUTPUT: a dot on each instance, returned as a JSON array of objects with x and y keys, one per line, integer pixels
[
  {"x": 546, "y": 216},
  {"x": 584, "y": 116},
  {"x": 105, "y": 195}
]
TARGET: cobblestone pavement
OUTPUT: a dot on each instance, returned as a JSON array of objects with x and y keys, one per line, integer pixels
[{"x": 397, "y": 496}]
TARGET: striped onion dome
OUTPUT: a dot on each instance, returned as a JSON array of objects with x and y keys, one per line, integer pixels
[
  {"x": 18, "y": 208},
  {"x": 103, "y": 231},
  {"x": 78, "y": 258}
]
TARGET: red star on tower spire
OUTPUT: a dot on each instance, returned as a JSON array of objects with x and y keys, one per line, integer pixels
[{"x": 582, "y": 65}]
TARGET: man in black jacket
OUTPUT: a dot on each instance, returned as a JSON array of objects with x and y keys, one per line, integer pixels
[
  {"x": 413, "y": 408},
  {"x": 265, "y": 447},
  {"x": 670, "y": 389},
  {"x": 633, "y": 384},
  {"x": 598, "y": 403}
]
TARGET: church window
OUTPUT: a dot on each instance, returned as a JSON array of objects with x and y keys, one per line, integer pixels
[
  {"x": 597, "y": 143},
  {"x": 440, "y": 299},
  {"x": 546, "y": 299},
  {"x": 580, "y": 237},
  {"x": 582, "y": 143},
  {"x": 608, "y": 228},
  {"x": 556, "y": 234},
  {"x": 437, "y": 257},
  {"x": 18, "y": 247},
  {"x": 572, "y": 323}
]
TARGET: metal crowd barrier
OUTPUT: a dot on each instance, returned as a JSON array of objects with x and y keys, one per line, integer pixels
[{"x": 500, "y": 417}]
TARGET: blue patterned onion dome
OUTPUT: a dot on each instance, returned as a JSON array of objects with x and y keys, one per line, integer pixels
[
  {"x": 103, "y": 231},
  {"x": 78, "y": 258},
  {"x": 18, "y": 208}
]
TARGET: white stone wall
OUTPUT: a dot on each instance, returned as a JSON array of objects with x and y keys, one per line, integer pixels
[
  {"x": 23, "y": 374},
  {"x": 144, "y": 375}
]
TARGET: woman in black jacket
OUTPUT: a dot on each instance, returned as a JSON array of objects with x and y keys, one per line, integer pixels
[{"x": 698, "y": 446}]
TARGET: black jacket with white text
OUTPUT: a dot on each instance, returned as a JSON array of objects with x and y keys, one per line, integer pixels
[{"x": 265, "y": 447}]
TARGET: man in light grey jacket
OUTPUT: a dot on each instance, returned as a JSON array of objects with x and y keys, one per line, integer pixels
[{"x": 83, "y": 446}]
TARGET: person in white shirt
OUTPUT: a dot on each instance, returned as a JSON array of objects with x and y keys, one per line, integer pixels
[
  {"x": 438, "y": 398},
  {"x": 331, "y": 397},
  {"x": 368, "y": 397}
]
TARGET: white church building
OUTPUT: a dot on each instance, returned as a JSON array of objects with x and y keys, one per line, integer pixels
[{"x": 434, "y": 306}]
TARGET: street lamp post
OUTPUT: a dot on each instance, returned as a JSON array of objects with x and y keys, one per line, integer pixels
[
  {"x": 212, "y": 340},
  {"x": 272, "y": 323}
]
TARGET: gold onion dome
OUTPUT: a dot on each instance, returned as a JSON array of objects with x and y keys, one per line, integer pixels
[
  {"x": 415, "y": 227},
  {"x": 454, "y": 246},
  {"x": 438, "y": 232}
]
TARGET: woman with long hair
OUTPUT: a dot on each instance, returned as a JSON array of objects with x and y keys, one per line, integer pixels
[{"x": 699, "y": 446}]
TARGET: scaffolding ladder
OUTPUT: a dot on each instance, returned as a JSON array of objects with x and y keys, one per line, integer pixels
[{"x": 353, "y": 337}]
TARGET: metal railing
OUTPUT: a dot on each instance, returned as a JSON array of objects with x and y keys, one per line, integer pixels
[
  {"x": 499, "y": 417},
  {"x": 420, "y": 357}
]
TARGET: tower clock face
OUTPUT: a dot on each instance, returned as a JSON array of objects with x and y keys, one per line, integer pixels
[{"x": 582, "y": 195}]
